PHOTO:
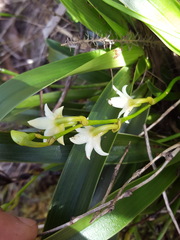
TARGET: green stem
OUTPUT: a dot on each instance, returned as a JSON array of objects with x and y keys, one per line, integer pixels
[
  {"x": 155, "y": 100},
  {"x": 124, "y": 119},
  {"x": 172, "y": 137},
  {"x": 137, "y": 102},
  {"x": 26, "y": 140},
  {"x": 168, "y": 89},
  {"x": 10, "y": 205},
  {"x": 5, "y": 71},
  {"x": 105, "y": 128},
  {"x": 58, "y": 135},
  {"x": 98, "y": 122},
  {"x": 72, "y": 120}
]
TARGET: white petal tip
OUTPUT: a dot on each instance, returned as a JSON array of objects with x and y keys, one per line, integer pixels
[
  {"x": 114, "y": 88},
  {"x": 71, "y": 139},
  {"x": 110, "y": 102},
  {"x": 61, "y": 140},
  {"x": 105, "y": 154},
  {"x": 33, "y": 123}
]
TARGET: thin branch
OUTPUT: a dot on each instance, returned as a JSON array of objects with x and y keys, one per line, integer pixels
[
  {"x": 69, "y": 79},
  {"x": 171, "y": 214},
  {"x": 162, "y": 116},
  {"x": 116, "y": 170},
  {"x": 113, "y": 179},
  {"x": 168, "y": 156},
  {"x": 152, "y": 216},
  {"x": 135, "y": 175},
  {"x": 164, "y": 194},
  {"x": 68, "y": 83},
  {"x": 158, "y": 78},
  {"x": 148, "y": 147}
]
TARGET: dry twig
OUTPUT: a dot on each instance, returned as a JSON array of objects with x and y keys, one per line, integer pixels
[
  {"x": 164, "y": 194},
  {"x": 162, "y": 116},
  {"x": 115, "y": 173},
  {"x": 69, "y": 79},
  {"x": 168, "y": 154}
]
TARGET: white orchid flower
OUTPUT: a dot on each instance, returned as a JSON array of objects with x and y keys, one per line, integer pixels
[
  {"x": 48, "y": 123},
  {"x": 124, "y": 101},
  {"x": 85, "y": 135}
]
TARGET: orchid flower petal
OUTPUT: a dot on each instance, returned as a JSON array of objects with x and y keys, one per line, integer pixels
[
  {"x": 97, "y": 147},
  {"x": 61, "y": 140},
  {"x": 48, "y": 123},
  {"x": 88, "y": 149},
  {"x": 123, "y": 101},
  {"x": 40, "y": 123},
  {"x": 121, "y": 112},
  {"x": 125, "y": 92},
  {"x": 58, "y": 112},
  {"x": 117, "y": 102},
  {"x": 85, "y": 130},
  {"x": 48, "y": 112},
  {"x": 78, "y": 139},
  {"x": 49, "y": 132},
  {"x": 117, "y": 91},
  {"x": 126, "y": 113}
]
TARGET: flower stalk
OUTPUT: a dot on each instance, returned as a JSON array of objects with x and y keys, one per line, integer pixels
[
  {"x": 56, "y": 136},
  {"x": 105, "y": 128},
  {"x": 70, "y": 121},
  {"x": 56, "y": 125},
  {"x": 25, "y": 139},
  {"x": 167, "y": 91}
]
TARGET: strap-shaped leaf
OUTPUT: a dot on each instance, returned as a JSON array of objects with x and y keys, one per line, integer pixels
[
  {"x": 125, "y": 211},
  {"x": 161, "y": 16},
  {"x": 24, "y": 85},
  {"x": 58, "y": 153},
  {"x": 80, "y": 175}
]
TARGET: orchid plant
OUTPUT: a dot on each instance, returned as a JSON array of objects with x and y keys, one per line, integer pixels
[
  {"x": 56, "y": 125},
  {"x": 130, "y": 51}
]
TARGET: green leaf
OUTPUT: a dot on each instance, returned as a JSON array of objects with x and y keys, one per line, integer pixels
[
  {"x": 24, "y": 85},
  {"x": 11, "y": 152},
  {"x": 58, "y": 52},
  {"x": 3, "y": 14},
  {"x": 125, "y": 211},
  {"x": 52, "y": 97},
  {"x": 142, "y": 65},
  {"x": 88, "y": 16},
  {"x": 133, "y": 156},
  {"x": 161, "y": 16},
  {"x": 52, "y": 154},
  {"x": 80, "y": 176},
  {"x": 58, "y": 153},
  {"x": 115, "y": 20}
]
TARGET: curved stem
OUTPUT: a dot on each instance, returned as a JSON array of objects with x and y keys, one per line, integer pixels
[
  {"x": 124, "y": 119},
  {"x": 58, "y": 135},
  {"x": 98, "y": 122},
  {"x": 72, "y": 120},
  {"x": 105, "y": 128},
  {"x": 168, "y": 89}
]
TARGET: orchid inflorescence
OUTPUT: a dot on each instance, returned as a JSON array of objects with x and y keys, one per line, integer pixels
[{"x": 56, "y": 125}]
